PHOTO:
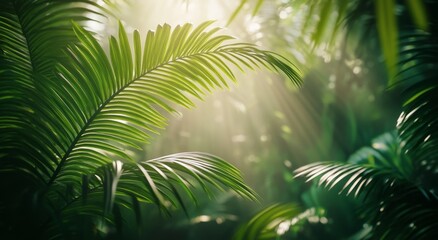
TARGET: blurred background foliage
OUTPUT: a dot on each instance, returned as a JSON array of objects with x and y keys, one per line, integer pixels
[{"x": 366, "y": 65}]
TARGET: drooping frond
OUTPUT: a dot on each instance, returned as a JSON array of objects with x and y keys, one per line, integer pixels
[
  {"x": 182, "y": 168},
  {"x": 270, "y": 223},
  {"x": 354, "y": 178},
  {"x": 383, "y": 162},
  {"x": 163, "y": 178},
  {"x": 110, "y": 104},
  {"x": 168, "y": 182}
]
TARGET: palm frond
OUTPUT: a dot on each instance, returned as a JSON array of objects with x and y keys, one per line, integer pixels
[
  {"x": 269, "y": 223},
  {"x": 165, "y": 181},
  {"x": 355, "y": 178},
  {"x": 181, "y": 170},
  {"x": 366, "y": 166},
  {"x": 381, "y": 163},
  {"x": 102, "y": 98}
]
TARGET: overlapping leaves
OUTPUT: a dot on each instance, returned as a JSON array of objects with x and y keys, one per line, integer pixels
[
  {"x": 77, "y": 126},
  {"x": 32, "y": 34},
  {"x": 31, "y": 38}
]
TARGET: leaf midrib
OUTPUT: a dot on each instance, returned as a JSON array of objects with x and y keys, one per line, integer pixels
[{"x": 103, "y": 105}]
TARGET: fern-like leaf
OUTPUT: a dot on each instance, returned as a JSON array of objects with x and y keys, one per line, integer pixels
[{"x": 106, "y": 98}]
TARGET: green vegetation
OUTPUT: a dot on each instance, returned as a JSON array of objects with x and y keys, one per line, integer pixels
[{"x": 86, "y": 118}]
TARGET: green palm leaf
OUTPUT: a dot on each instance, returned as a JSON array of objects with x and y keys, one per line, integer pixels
[
  {"x": 353, "y": 177},
  {"x": 106, "y": 97},
  {"x": 269, "y": 223},
  {"x": 368, "y": 167},
  {"x": 166, "y": 181}
]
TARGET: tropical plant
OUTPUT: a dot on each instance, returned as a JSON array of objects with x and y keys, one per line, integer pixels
[{"x": 74, "y": 115}]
